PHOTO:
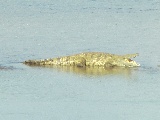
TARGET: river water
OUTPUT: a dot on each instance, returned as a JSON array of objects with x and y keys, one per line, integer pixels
[{"x": 37, "y": 29}]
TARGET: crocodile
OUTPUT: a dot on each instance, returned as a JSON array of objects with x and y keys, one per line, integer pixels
[{"x": 99, "y": 59}]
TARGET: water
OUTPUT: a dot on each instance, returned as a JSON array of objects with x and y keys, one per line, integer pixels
[{"x": 45, "y": 29}]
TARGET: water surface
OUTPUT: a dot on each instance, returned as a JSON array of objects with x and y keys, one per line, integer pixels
[{"x": 45, "y": 29}]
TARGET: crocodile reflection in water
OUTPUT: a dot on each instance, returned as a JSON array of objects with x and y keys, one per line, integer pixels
[{"x": 92, "y": 71}]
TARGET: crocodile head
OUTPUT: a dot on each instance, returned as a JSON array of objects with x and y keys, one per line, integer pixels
[{"x": 125, "y": 61}]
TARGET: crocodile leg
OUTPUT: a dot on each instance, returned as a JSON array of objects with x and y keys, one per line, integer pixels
[{"x": 80, "y": 62}]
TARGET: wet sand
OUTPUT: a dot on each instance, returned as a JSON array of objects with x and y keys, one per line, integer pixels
[{"x": 39, "y": 30}]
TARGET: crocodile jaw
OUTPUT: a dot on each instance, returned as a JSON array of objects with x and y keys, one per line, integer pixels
[
  {"x": 134, "y": 65},
  {"x": 131, "y": 63},
  {"x": 125, "y": 62}
]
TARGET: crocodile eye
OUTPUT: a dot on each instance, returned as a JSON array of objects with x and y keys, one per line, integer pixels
[{"x": 129, "y": 60}]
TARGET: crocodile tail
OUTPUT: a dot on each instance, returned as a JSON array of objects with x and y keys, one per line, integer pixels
[
  {"x": 67, "y": 60},
  {"x": 34, "y": 62},
  {"x": 51, "y": 61}
]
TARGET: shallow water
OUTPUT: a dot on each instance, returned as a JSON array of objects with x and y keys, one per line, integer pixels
[{"x": 38, "y": 29}]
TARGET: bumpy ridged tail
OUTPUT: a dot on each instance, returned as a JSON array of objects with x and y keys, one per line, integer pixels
[
  {"x": 36, "y": 62},
  {"x": 54, "y": 61}
]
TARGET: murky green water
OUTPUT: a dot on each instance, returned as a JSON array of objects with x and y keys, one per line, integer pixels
[{"x": 45, "y": 29}]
